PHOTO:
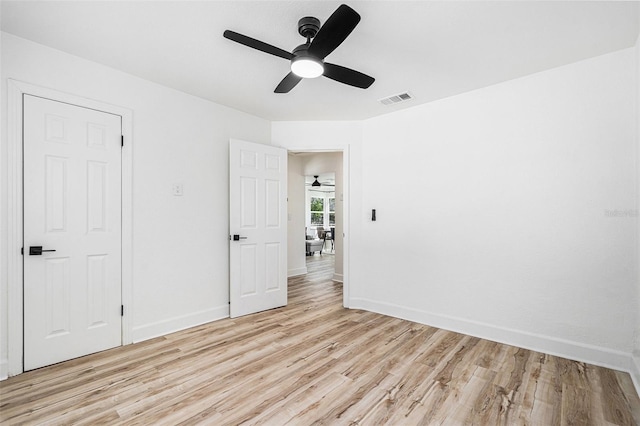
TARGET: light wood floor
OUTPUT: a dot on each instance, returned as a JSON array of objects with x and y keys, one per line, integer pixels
[{"x": 315, "y": 362}]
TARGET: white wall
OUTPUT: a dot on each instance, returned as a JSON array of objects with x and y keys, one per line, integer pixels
[
  {"x": 635, "y": 365},
  {"x": 498, "y": 210},
  {"x": 180, "y": 275},
  {"x": 497, "y": 221},
  {"x": 4, "y": 362},
  {"x": 296, "y": 263}
]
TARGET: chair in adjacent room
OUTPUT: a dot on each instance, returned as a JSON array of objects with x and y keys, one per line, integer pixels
[{"x": 317, "y": 244}]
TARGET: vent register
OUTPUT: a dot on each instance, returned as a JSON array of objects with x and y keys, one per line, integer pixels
[{"x": 400, "y": 97}]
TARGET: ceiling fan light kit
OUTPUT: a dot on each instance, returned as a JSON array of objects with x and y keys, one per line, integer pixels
[
  {"x": 305, "y": 65},
  {"x": 307, "y": 60}
]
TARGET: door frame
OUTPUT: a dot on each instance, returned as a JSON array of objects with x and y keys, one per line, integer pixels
[
  {"x": 15, "y": 267},
  {"x": 344, "y": 149}
]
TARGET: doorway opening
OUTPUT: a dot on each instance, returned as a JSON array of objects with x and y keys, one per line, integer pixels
[{"x": 316, "y": 214}]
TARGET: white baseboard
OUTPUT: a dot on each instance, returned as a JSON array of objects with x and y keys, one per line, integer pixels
[
  {"x": 338, "y": 277},
  {"x": 634, "y": 371},
  {"x": 591, "y": 354},
  {"x": 171, "y": 325},
  {"x": 4, "y": 369},
  {"x": 296, "y": 272}
]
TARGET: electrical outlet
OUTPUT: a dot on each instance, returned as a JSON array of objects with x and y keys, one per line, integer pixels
[{"x": 177, "y": 190}]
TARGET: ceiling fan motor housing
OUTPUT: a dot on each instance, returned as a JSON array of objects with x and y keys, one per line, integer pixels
[
  {"x": 308, "y": 27},
  {"x": 301, "y": 51}
]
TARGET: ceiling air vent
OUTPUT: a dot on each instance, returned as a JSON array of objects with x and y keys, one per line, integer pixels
[{"x": 401, "y": 97}]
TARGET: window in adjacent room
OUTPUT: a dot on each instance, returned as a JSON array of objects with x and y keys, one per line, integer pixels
[{"x": 317, "y": 211}]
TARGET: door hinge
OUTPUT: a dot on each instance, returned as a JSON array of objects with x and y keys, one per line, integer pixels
[
  {"x": 121, "y": 140},
  {"x": 22, "y": 251},
  {"x": 121, "y": 310}
]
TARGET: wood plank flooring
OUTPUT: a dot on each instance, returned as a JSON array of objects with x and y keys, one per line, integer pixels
[{"x": 314, "y": 362}]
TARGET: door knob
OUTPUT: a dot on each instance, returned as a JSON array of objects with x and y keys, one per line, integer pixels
[
  {"x": 237, "y": 237},
  {"x": 36, "y": 251}
]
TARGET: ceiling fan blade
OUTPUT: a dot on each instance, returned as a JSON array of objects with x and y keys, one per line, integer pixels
[
  {"x": 257, "y": 44},
  {"x": 347, "y": 76},
  {"x": 334, "y": 31},
  {"x": 288, "y": 83}
]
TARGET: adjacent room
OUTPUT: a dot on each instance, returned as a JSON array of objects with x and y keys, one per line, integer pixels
[{"x": 297, "y": 212}]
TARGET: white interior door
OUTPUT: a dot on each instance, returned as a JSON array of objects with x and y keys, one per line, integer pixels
[
  {"x": 258, "y": 227},
  {"x": 72, "y": 206}
]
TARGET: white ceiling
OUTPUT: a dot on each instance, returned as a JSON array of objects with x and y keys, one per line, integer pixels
[{"x": 431, "y": 49}]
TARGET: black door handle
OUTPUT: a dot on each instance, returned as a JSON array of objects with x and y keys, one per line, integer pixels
[
  {"x": 237, "y": 237},
  {"x": 36, "y": 251}
]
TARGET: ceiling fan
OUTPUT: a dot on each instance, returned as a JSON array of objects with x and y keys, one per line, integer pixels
[
  {"x": 307, "y": 60},
  {"x": 316, "y": 183}
]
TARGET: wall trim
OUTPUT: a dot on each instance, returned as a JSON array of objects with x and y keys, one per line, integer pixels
[
  {"x": 179, "y": 323},
  {"x": 338, "y": 277},
  {"x": 634, "y": 370},
  {"x": 591, "y": 354},
  {"x": 4, "y": 367},
  {"x": 297, "y": 271},
  {"x": 15, "y": 91}
]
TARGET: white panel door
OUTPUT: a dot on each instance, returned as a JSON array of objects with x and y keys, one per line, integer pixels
[
  {"x": 72, "y": 206},
  {"x": 258, "y": 227}
]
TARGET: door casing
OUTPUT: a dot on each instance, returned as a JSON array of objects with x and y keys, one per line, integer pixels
[{"x": 15, "y": 271}]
